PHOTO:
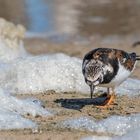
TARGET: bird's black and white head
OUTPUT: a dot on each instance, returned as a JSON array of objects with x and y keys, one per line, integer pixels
[{"x": 92, "y": 71}]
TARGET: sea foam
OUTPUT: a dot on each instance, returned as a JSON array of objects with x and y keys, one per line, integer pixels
[{"x": 116, "y": 125}]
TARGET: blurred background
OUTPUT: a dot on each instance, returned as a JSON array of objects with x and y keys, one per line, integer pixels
[
  {"x": 74, "y": 27},
  {"x": 81, "y": 17}
]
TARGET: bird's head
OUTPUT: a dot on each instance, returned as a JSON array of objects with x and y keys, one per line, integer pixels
[{"x": 93, "y": 73}]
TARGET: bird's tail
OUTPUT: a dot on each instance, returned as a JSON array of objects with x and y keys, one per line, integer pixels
[
  {"x": 137, "y": 57},
  {"x": 134, "y": 56},
  {"x": 135, "y": 44}
]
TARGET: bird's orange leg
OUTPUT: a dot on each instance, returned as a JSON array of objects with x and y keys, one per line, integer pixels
[{"x": 109, "y": 100}]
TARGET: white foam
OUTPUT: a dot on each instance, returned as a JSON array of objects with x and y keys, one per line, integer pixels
[
  {"x": 133, "y": 135},
  {"x": 11, "y": 53},
  {"x": 11, "y": 120},
  {"x": 116, "y": 125},
  {"x": 23, "y": 107},
  {"x": 97, "y": 138},
  {"x": 12, "y": 108},
  {"x": 11, "y": 41},
  {"x": 41, "y": 73},
  {"x": 129, "y": 87}
]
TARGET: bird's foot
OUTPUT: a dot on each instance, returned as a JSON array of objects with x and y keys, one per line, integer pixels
[
  {"x": 110, "y": 100},
  {"x": 108, "y": 103}
]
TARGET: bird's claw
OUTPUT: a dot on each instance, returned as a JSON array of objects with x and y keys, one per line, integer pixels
[{"x": 108, "y": 103}]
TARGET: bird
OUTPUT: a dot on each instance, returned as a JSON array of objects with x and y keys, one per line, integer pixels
[{"x": 108, "y": 67}]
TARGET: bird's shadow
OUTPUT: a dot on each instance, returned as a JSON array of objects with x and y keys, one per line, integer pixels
[{"x": 79, "y": 103}]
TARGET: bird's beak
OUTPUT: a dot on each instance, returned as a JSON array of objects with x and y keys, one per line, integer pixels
[
  {"x": 137, "y": 57},
  {"x": 91, "y": 90}
]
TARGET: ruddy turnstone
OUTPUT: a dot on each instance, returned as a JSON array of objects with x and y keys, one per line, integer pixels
[{"x": 107, "y": 67}]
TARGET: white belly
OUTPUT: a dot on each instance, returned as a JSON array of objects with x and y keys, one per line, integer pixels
[{"x": 121, "y": 76}]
